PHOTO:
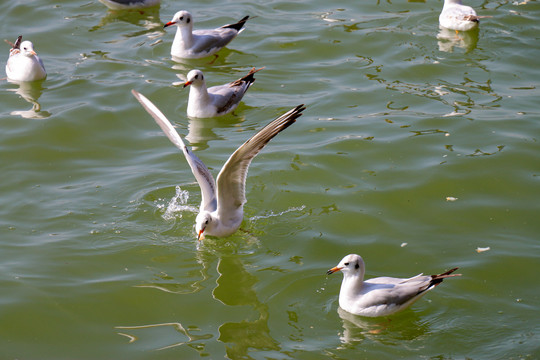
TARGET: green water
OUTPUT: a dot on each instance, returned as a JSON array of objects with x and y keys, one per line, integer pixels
[{"x": 98, "y": 256}]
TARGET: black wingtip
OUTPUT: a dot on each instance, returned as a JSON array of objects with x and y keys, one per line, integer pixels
[
  {"x": 18, "y": 42},
  {"x": 237, "y": 26},
  {"x": 290, "y": 116}
]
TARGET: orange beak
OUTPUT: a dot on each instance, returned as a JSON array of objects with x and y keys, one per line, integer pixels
[
  {"x": 169, "y": 24},
  {"x": 200, "y": 236},
  {"x": 32, "y": 52},
  {"x": 333, "y": 270},
  {"x": 187, "y": 83}
]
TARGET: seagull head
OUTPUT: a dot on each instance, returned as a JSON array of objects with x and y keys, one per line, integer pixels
[
  {"x": 194, "y": 77},
  {"x": 181, "y": 19},
  {"x": 27, "y": 48},
  {"x": 203, "y": 221},
  {"x": 351, "y": 264}
]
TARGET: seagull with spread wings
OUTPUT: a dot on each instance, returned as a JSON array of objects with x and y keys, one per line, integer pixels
[{"x": 222, "y": 204}]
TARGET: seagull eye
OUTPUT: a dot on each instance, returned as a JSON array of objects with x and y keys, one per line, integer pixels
[
  {"x": 206, "y": 222},
  {"x": 346, "y": 264},
  {"x": 196, "y": 76},
  {"x": 181, "y": 18}
]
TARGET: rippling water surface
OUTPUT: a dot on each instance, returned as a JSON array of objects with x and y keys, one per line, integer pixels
[{"x": 417, "y": 148}]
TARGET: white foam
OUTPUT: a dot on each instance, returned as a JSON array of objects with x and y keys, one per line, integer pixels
[
  {"x": 178, "y": 204},
  {"x": 272, "y": 214}
]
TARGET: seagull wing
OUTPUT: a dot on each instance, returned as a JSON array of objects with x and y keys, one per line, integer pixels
[
  {"x": 208, "y": 40},
  {"x": 226, "y": 97},
  {"x": 399, "y": 292},
  {"x": 231, "y": 180},
  {"x": 203, "y": 176}
]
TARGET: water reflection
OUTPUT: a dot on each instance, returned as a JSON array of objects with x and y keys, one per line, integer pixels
[
  {"x": 216, "y": 60},
  {"x": 146, "y": 18},
  {"x": 449, "y": 39},
  {"x": 235, "y": 288},
  {"x": 31, "y": 92},
  {"x": 177, "y": 327},
  {"x": 356, "y": 329},
  {"x": 201, "y": 131}
]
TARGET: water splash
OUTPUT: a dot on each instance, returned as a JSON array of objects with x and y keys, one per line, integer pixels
[
  {"x": 177, "y": 205},
  {"x": 272, "y": 214}
]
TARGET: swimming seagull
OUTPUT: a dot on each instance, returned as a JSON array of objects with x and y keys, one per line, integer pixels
[
  {"x": 129, "y": 4},
  {"x": 195, "y": 44},
  {"x": 222, "y": 208},
  {"x": 383, "y": 295},
  {"x": 23, "y": 63},
  {"x": 455, "y": 16},
  {"x": 217, "y": 100}
]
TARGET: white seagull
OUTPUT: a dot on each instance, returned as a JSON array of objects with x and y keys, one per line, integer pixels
[
  {"x": 222, "y": 208},
  {"x": 23, "y": 63},
  {"x": 195, "y": 44},
  {"x": 383, "y": 295},
  {"x": 455, "y": 16},
  {"x": 217, "y": 100},
  {"x": 129, "y": 4}
]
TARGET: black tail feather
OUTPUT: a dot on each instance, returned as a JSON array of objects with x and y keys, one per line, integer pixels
[{"x": 237, "y": 26}]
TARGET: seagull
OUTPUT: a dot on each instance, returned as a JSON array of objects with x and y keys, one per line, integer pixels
[
  {"x": 196, "y": 44},
  {"x": 222, "y": 208},
  {"x": 129, "y": 4},
  {"x": 23, "y": 63},
  {"x": 383, "y": 295},
  {"x": 458, "y": 17},
  {"x": 217, "y": 100}
]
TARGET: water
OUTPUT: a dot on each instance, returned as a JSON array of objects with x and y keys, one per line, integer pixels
[{"x": 413, "y": 152}]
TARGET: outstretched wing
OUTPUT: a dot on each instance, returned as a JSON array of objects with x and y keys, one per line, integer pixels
[
  {"x": 231, "y": 180},
  {"x": 203, "y": 176}
]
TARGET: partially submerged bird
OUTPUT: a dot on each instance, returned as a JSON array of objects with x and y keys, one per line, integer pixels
[
  {"x": 23, "y": 63},
  {"x": 195, "y": 44},
  {"x": 129, "y": 4},
  {"x": 380, "y": 296},
  {"x": 216, "y": 100},
  {"x": 455, "y": 16},
  {"x": 222, "y": 207}
]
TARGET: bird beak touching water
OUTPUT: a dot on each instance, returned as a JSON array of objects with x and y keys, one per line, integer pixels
[{"x": 200, "y": 235}]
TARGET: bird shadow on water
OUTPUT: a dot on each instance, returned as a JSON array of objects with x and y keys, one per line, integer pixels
[{"x": 30, "y": 92}]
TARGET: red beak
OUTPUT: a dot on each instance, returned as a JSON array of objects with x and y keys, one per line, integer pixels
[
  {"x": 169, "y": 24},
  {"x": 200, "y": 236},
  {"x": 187, "y": 83}
]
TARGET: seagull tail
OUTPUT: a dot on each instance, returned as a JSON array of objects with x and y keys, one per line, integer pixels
[
  {"x": 249, "y": 78},
  {"x": 237, "y": 26},
  {"x": 437, "y": 279}
]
